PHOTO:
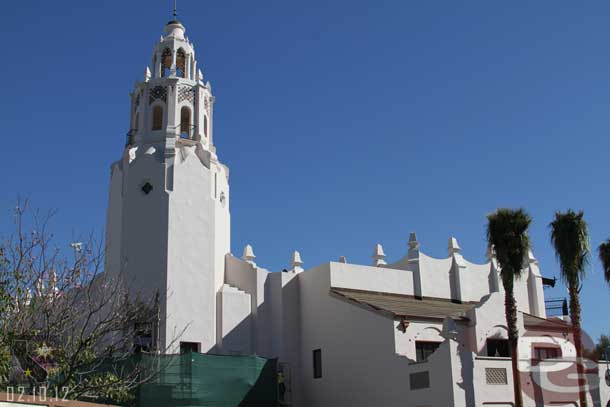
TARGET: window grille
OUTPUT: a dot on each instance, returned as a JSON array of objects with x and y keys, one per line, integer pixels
[{"x": 495, "y": 375}]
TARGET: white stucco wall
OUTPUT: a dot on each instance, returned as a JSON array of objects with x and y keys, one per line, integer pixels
[
  {"x": 167, "y": 239},
  {"x": 144, "y": 229},
  {"x": 475, "y": 281},
  {"x": 234, "y": 308},
  {"x": 454, "y": 277},
  {"x": 435, "y": 276},
  {"x": 604, "y": 388},
  {"x": 255, "y": 281},
  {"x": 362, "y": 353},
  {"x": 191, "y": 266},
  {"x": 429, "y": 331},
  {"x": 357, "y": 349},
  {"x": 114, "y": 220},
  {"x": 381, "y": 279}
]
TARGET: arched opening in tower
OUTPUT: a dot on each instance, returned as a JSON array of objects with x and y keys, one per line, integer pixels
[
  {"x": 180, "y": 63},
  {"x": 166, "y": 62},
  {"x": 185, "y": 122}
]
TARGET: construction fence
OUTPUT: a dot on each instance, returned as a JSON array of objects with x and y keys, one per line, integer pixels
[{"x": 195, "y": 379}]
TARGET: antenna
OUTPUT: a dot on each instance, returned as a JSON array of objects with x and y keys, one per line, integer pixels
[{"x": 175, "y": 13}]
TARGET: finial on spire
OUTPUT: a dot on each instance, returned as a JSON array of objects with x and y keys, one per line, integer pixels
[
  {"x": 248, "y": 255},
  {"x": 453, "y": 246},
  {"x": 378, "y": 256},
  {"x": 413, "y": 243},
  {"x": 175, "y": 12},
  {"x": 296, "y": 262}
]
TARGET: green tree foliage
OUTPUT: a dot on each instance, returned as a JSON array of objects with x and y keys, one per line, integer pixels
[
  {"x": 599, "y": 352},
  {"x": 570, "y": 239},
  {"x": 603, "y": 252},
  {"x": 508, "y": 240}
]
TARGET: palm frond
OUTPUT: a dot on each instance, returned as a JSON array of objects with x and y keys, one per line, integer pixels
[
  {"x": 604, "y": 256},
  {"x": 570, "y": 238},
  {"x": 507, "y": 236}
]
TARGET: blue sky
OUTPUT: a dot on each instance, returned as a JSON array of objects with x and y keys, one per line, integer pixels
[{"x": 344, "y": 123}]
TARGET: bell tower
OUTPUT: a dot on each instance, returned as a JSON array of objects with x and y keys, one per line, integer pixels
[{"x": 168, "y": 220}]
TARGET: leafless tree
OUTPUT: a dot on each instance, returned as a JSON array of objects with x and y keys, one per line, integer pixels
[{"x": 64, "y": 323}]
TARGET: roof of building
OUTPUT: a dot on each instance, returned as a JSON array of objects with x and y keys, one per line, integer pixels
[
  {"x": 406, "y": 306},
  {"x": 534, "y": 322}
]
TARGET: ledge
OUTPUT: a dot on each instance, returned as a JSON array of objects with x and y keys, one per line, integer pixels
[{"x": 492, "y": 358}]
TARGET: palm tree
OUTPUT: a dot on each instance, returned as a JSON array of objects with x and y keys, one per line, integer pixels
[
  {"x": 507, "y": 237},
  {"x": 570, "y": 238},
  {"x": 604, "y": 256}
]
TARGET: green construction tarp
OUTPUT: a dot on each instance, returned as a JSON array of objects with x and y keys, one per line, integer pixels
[{"x": 202, "y": 380}]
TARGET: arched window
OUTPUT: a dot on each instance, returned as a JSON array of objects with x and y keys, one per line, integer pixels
[
  {"x": 157, "y": 122},
  {"x": 136, "y": 124},
  {"x": 185, "y": 122},
  {"x": 154, "y": 66},
  {"x": 166, "y": 62},
  {"x": 180, "y": 63},
  {"x": 205, "y": 125}
]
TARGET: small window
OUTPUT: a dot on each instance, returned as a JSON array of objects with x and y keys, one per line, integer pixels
[
  {"x": 157, "y": 123},
  {"x": 147, "y": 188},
  {"x": 419, "y": 380},
  {"x": 317, "y": 363},
  {"x": 166, "y": 62},
  {"x": 142, "y": 337},
  {"x": 189, "y": 347},
  {"x": 136, "y": 124},
  {"x": 185, "y": 122},
  {"x": 424, "y": 349},
  {"x": 205, "y": 125},
  {"x": 498, "y": 348},
  {"x": 544, "y": 353}
]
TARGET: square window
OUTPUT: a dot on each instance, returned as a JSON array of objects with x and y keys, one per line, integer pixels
[
  {"x": 498, "y": 348},
  {"x": 189, "y": 347},
  {"x": 419, "y": 380},
  {"x": 544, "y": 353},
  {"x": 424, "y": 349}
]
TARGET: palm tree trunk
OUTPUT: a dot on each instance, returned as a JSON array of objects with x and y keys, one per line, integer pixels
[
  {"x": 575, "y": 318},
  {"x": 510, "y": 307}
]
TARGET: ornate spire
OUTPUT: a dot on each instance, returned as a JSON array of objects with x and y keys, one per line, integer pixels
[
  {"x": 248, "y": 255},
  {"x": 453, "y": 246},
  {"x": 296, "y": 262},
  {"x": 378, "y": 256},
  {"x": 172, "y": 104},
  {"x": 413, "y": 243}
]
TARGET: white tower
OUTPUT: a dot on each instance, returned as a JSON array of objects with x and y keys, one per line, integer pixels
[{"x": 168, "y": 221}]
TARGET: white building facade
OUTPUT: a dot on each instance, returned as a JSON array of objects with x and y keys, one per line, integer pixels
[{"x": 417, "y": 332}]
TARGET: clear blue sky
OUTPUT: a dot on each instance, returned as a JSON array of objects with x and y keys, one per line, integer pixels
[{"x": 344, "y": 123}]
